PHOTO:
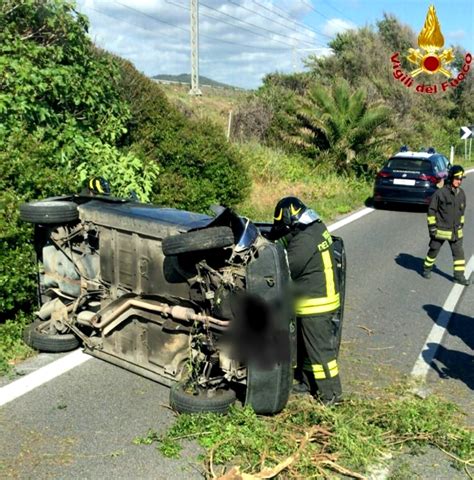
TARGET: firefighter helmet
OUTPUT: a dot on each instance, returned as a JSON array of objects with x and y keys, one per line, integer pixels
[
  {"x": 290, "y": 212},
  {"x": 456, "y": 171},
  {"x": 287, "y": 212},
  {"x": 99, "y": 186}
]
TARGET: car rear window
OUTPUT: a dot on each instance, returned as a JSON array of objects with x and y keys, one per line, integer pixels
[{"x": 413, "y": 164}]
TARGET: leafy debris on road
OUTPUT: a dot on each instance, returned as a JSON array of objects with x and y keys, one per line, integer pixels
[{"x": 308, "y": 439}]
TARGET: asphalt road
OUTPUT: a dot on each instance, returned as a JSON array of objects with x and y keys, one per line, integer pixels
[{"x": 82, "y": 424}]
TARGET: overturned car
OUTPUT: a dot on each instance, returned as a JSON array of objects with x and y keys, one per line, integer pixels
[{"x": 199, "y": 303}]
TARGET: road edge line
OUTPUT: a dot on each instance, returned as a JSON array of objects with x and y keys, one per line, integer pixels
[
  {"x": 351, "y": 218},
  {"x": 423, "y": 363},
  {"x": 23, "y": 385}
]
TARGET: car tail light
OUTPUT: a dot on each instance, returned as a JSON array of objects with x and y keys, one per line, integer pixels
[
  {"x": 383, "y": 175},
  {"x": 430, "y": 178}
]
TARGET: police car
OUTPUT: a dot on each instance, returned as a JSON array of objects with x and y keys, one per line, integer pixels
[{"x": 410, "y": 177}]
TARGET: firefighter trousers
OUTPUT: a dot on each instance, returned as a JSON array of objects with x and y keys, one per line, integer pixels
[
  {"x": 457, "y": 250},
  {"x": 317, "y": 355}
]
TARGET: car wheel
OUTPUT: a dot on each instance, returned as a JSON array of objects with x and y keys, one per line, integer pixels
[
  {"x": 200, "y": 400},
  {"x": 38, "y": 339},
  {"x": 268, "y": 389},
  {"x": 199, "y": 240},
  {"x": 49, "y": 212}
]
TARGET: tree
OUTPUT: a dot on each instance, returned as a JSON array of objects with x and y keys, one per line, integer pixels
[{"x": 336, "y": 120}]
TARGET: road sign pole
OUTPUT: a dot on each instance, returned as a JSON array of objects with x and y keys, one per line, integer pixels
[
  {"x": 451, "y": 155},
  {"x": 470, "y": 148},
  {"x": 465, "y": 149}
]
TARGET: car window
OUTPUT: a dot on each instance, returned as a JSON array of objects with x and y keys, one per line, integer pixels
[
  {"x": 440, "y": 165},
  {"x": 413, "y": 164}
]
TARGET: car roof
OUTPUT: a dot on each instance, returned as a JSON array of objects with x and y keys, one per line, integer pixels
[{"x": 410, "y": 154}]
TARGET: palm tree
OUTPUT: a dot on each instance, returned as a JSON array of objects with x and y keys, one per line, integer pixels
[{"x": 341, "y": 124}]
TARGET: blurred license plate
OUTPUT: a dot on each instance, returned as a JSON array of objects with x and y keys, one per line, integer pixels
[{"x": 402, "y": 181}]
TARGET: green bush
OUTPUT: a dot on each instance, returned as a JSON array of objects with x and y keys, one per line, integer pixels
[
  {"x": 69, "y": 111},
  {"x": 198, "y": 167}
]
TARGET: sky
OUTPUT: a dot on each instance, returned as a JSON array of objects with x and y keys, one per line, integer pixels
[{"x": 241, "y": 41}]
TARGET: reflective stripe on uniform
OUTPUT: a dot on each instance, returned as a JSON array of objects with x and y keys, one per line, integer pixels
[
  {"x": 431, "y": 220},
  {"x": 329, "y": 303},
  {"x": 429, "y": 261},
  {"x": 310, "y": 306},
  {"x": 318, "y": 371},
  {"x": 460, "y": 234},
  {"x": 462, "y": 219},
  {"x": 459, "y": 265},
  {"x": 329, "y": 274},
  {"x": 444, "y": 234},
  {"x": 333, "y": 368}
]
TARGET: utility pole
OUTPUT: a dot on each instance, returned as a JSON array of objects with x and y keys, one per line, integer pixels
[{"x": 194, "y": 16}]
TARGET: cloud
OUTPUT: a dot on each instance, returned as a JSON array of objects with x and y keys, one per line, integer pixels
[
  {"x": 239, "y": 40},
  {"x": 337, "y": 25}
]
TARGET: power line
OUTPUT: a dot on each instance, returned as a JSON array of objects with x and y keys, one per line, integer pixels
[
  {"x": 151, "y": 16},
  {"x": 314, "y": 10},
  {"x": 256, "y": 26},
  {"x": 233, "y": 25},
  {"x": 184, "y": 29},
  {"x": 338, "y": 11},
  {"x": 288, "y": 18},
  {"x": 267, "y": 17}
]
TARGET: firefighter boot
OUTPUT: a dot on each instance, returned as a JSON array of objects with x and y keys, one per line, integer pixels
[
  {"x": 461, "y": 279},
  {"x": 427, "y": 273}
]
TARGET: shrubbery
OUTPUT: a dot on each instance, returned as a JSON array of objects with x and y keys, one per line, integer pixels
[
  {"x": 69, "y": 111},
  {"x": 198, "y": 167},
  {"x": 361, "y": 58}
]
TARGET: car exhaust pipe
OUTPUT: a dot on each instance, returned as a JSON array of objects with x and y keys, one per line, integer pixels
[{"x": 177, "y": 312}]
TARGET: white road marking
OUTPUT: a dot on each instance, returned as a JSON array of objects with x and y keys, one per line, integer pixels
[
  {"x": 350, "y": 219},
  {"x": 423, "y": 363},
  {"x": 44, "y": 374}
]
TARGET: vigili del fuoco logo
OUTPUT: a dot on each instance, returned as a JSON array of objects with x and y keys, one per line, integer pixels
[{"x": 430, "y": 58}]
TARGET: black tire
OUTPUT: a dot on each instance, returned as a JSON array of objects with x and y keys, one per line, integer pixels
[
  {"x": 46, "y": 342},
  {"x": 203, "y": 401},
  {"x": 268, "y": 390},
  {"x": 49, "y": 212},
  {"x": 199, "y": 240}
]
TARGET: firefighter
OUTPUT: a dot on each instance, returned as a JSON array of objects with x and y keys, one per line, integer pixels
[
  {"x": 445, "y": 222},
  {"x": 96, "y": 186},
  {"x": 313, "y": 270}
]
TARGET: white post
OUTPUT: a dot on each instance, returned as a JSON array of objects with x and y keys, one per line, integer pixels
[
  {"x": 194, "y": 17},
  {"x": 451, "y": 155},
  {"x": 229, "y": 124}
]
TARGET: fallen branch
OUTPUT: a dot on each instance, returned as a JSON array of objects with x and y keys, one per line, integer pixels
[
  {"x": 235, "y": 473},
  {"x": 368, "y": 330},
  {"x": 344, "y": 471}
]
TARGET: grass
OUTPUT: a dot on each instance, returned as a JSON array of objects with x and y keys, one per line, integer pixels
[
  {"x": 12, "y": 347},
  {"x": 215, "y": 103},
  {"x": 276, "y": 174},
  {"x": 308, "y": 440}
]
